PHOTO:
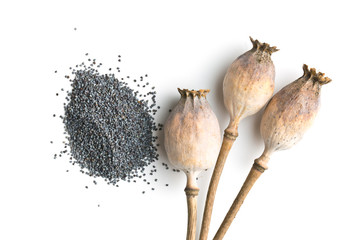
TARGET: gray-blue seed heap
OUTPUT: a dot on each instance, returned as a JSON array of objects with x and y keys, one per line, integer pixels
[{"x": 110, "y": 131}]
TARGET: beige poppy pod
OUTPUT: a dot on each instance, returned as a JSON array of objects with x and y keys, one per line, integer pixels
[
  {"x": 192, "y": 133},
  {"x": 249, "y": 82},
  {"x": 192, "y": 143},
  {"x": 286, "y": 118},
  {"x": 292, "y": 111}
]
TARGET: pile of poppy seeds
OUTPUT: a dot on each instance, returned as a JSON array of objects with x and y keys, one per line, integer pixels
[{"x": 109, "y": 126}]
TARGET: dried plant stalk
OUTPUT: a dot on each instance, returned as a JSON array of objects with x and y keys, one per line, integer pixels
[
  {"x": 253, "y": 175},
  {"x": 191, "y": 197},
  {"x": 227, "y": 143}
]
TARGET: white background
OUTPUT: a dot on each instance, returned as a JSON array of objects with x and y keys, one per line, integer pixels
[{"x": 309, "y": 192}]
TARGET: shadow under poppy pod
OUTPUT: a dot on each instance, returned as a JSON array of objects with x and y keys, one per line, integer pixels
[
  {"x": 286, "y": 118},
  {"x": 192, "y": 142},
  {"x": 248, "y": 85}
]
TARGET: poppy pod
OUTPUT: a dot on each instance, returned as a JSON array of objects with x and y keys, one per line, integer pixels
[
  {"x": 192, "y": 142},
  {"x": 248, "y": 85}
]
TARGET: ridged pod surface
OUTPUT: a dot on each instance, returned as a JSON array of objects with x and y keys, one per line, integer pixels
[
  {"x": 291, "y": 111},
  {"x": 192, "y": 133},
  {"x": 249, "y": 82}
]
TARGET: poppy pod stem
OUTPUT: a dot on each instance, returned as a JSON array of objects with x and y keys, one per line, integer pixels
[
  {"x": 259, "y": 166},
  {"x": 191, "y": 192},
  {"x": 229, "y": 138}
]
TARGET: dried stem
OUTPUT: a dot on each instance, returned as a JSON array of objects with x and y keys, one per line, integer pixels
[
  {"x": 229, "y": 138},
  {"x": 191, "y": 196},
  {"x": 257, "y": 169},
  {"x": 191, "y": 192}
]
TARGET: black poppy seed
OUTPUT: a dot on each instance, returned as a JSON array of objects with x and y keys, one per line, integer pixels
[
  {"x": 57, "y": 94},
  {"x": 166, "y": 185},
  {"x": 51, "y": 142},
  {"x": 153, "y": 189},
  {"x": 143, "y": 192},
  {"x": 86, "y": 187},
  {"x": 67, "y": 170}
]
